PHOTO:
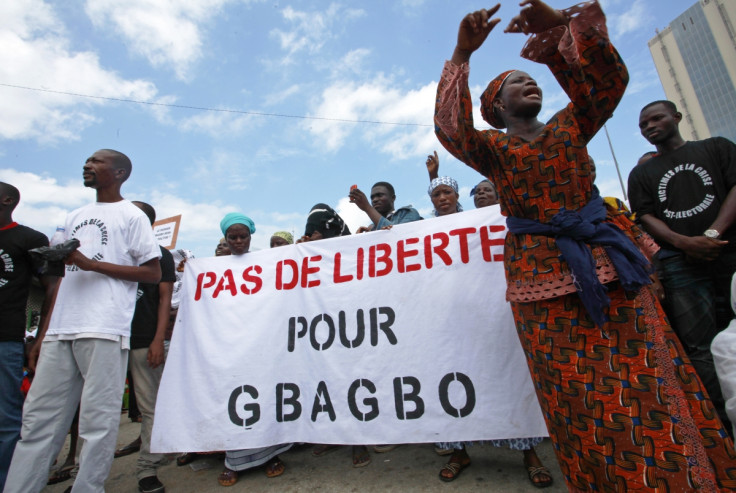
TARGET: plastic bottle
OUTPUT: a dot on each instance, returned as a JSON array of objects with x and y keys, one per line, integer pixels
[{"x": 58, "y": 237}]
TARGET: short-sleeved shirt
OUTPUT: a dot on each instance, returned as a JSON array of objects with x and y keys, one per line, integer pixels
[
  {"x": 93, "y": 303},
  {"x": 685, "y": 188},
  {"x": 16, "y": 270},
  {"x": 145, "y": 318}
]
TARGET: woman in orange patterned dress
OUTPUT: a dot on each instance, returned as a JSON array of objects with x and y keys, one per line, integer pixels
[{"x": 623, "y": 405}]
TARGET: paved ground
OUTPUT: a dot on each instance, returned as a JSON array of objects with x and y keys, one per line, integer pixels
[{"x": 406, "y": 469}]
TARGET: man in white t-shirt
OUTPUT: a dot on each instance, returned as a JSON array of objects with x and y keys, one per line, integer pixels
[{"x": 84, "y": 343}]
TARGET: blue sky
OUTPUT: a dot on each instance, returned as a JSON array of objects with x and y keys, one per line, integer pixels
[{"x": 295, "y": 80}]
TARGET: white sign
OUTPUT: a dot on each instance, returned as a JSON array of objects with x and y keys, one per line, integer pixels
[
  {"x": 166, "y": 231},
  {"x": 394, "y": 336}
]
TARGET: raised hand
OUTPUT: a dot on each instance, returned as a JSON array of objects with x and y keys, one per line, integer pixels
[
  {"x": 433, "y": 165},
  {"x": 535, "y": 17},
  {"x": 474, "y": 29},
  {"x": 358, "y": 198}
]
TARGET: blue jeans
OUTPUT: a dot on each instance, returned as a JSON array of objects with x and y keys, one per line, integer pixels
[
  {"x": 11, "y": 402},
  {"x": 697, "y": 303}
]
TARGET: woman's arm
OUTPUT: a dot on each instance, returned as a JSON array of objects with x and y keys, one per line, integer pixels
[{"x": 584, "y": 62}]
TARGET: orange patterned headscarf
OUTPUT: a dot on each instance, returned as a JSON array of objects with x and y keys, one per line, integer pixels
[{"x": 486, "y": 100}]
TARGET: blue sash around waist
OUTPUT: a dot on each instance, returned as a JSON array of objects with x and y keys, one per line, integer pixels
[{"x": 573, "y": 231}]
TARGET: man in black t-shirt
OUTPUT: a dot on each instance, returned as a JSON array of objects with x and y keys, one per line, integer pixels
[
  {"x": 146, "y": 360},
  {"x": 685, "y": 196},
  {"x": 16, "y": 271}
]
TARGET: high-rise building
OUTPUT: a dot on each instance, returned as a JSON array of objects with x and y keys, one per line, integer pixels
[{"x": 695, "y": 57}]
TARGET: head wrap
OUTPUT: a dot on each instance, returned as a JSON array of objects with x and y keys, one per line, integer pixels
[
  {"x": 472, "y": 191},
  {"x": 324, "y": 219},
  {"x": 491, "y": 93},
  {"x": 236, "y": 218},
  {"x": 444, "y": 180},
  {"x": 285, "y": 235}
]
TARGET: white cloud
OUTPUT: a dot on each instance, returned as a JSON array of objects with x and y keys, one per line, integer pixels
[
  {"x": 352, "y": 215},
  {"x": 216, "y": 123},
  {"x": 376, "y": 100},
  {"x": 36, "y": 54},
  {"x": 36, "y": 189},
  {"x": 641, "y": 84},
  {"x": 166, "y": 33},
  {"x": 197, "y": 217},
  {"x": 634, "y": 18},
  {"x": 353, "y": 61},
  {"x": 220, "y": 123},
  {"x": 281, "y": 96},
  {"x": 222, "y": 170},
  {"x": 44, "y": 202},
  {"x": 310, "y": 30},
  {"x": 161, "y": 111}
]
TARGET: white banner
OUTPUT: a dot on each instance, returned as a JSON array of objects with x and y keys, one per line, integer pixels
[{"x": 394, "y": 336}]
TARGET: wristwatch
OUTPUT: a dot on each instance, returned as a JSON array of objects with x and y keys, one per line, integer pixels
[{"x": 712, "y": 234}]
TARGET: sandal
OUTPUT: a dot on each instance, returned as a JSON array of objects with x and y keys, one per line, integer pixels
[
  {"x": 61, "y": 475},
  {"x": 361, "y": 457},
  {"x": 274, "y": 468},
  {"x": 131, "y": 448},
  {"x": 227, "y": 477},
  {"x": 454, "y": 467},
  {"x": 537, "y": 471},
  {"x": 323, "y": 449}
]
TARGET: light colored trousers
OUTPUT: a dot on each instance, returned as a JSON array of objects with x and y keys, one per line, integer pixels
[
  {"x": 146, "y": 381},
  {"x": 90, "y": 371}
]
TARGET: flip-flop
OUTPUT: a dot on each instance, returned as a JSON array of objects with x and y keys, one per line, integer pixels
[
  {"x": 274, "y": 468},
  {"x": 361, "y": 457},
  {"x": 535, "y": 471},
  {"x": 131, "y": 448},
  {"x": 455, "y": 469},
  {"x": 227, "y": 477}
]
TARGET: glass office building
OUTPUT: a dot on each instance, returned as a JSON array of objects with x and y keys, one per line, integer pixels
[{"x": 695, "y": 58}]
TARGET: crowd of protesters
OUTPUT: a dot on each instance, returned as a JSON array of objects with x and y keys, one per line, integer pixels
[{"x": 627, "y": 302}]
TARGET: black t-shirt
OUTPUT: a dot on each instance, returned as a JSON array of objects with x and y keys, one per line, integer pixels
[
  {"x": 686, "y": 187},
  {"x": 16, "y": 270},
  {"x": 145, "y": 318}
]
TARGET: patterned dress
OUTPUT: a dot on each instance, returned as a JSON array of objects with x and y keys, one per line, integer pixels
[{"x": 623, "y": 405}]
